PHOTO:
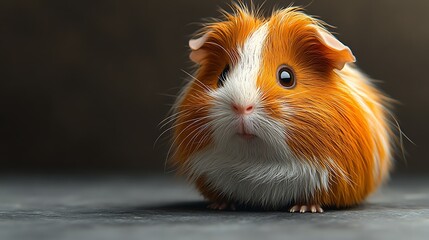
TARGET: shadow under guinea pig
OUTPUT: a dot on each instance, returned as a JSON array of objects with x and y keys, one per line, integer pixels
[{"x": 202, "y": 206}]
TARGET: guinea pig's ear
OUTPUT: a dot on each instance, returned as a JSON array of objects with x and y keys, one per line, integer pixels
[
  {"x": 340, "y": 53},
  {"x": 197, "y": 54}
]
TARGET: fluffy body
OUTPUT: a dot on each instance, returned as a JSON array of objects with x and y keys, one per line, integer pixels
[{"x": 324, "y": 142}]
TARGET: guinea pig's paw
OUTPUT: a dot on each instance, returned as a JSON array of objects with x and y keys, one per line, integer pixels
[
  {"x": 314, "y": 208},
  {"x": 222, "y": 206}
]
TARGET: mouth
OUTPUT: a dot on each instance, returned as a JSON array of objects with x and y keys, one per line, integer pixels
[{"x": 243, "y": 132}]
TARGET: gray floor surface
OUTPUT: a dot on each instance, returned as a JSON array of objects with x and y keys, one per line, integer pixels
[{"x": 115, "y": 207}]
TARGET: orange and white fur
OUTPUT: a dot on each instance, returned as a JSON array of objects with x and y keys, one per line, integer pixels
[{"x": 245, "y": 137}]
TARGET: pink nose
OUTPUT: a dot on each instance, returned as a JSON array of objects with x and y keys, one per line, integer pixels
[{"x": 243, "y": 109}]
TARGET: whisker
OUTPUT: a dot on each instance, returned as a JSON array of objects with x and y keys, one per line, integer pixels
[
  {"x": 203, "y": 85},
  {"x": 233, "y": 59},
  {"x": 198, "y": 130},
  {"x": 178, "y": 135},
  {"x": 176, "y": 125},
  {"x": 172, "y": 116}
]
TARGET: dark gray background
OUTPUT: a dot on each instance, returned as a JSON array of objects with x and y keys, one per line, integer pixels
[{"x": 82, "y": 82}]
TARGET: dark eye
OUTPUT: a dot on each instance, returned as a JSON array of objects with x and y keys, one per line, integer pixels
[
  {"x": 286, "y": 77},
  {"x": 222, "y": 76}
]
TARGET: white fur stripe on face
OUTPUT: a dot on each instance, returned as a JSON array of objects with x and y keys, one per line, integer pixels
[{"x": 241, "y": 83}]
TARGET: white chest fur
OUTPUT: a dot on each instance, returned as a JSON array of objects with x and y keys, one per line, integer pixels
[{"x": 270, "y": 182}]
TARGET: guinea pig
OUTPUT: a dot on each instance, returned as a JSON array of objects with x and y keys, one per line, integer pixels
[{"x": 278, "y": 116}]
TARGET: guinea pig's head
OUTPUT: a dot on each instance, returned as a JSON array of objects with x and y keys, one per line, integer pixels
[{"x": 262, "y": 85}]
